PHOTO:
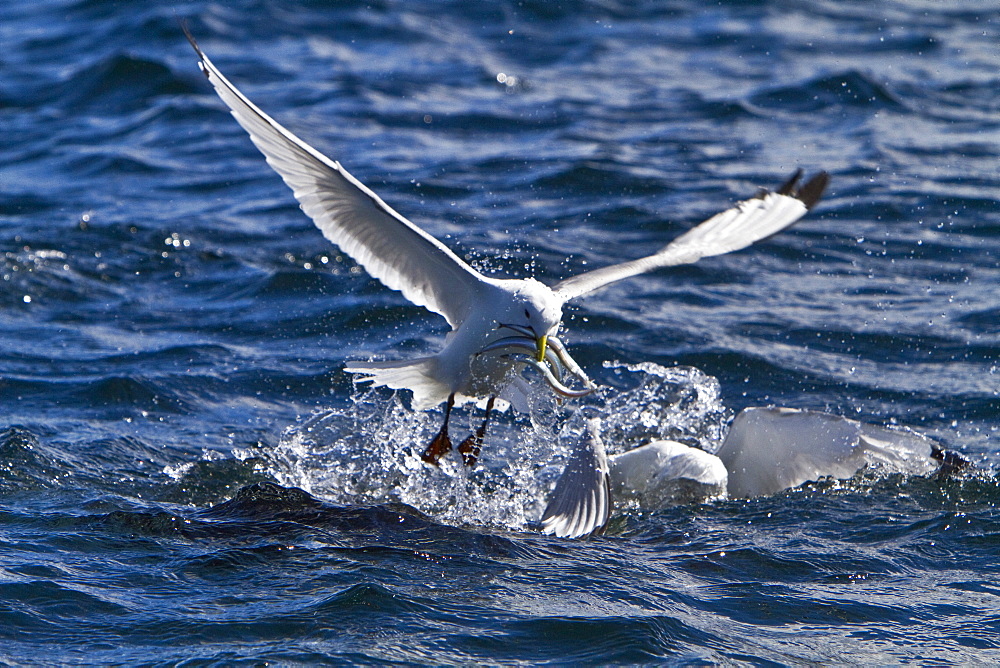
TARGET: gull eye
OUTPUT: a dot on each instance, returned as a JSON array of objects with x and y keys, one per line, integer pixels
[{"x": 526, "y": 314}]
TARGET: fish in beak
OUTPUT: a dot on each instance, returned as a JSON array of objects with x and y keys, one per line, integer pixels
[{"x": 546, "y": 354}]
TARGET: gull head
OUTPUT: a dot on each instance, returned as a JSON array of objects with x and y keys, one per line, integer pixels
[
  {"x": 533, "y": 311},
  {"x": 528, "y": 327}
]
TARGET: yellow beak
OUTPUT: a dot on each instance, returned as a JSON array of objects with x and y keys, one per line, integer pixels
[{"x": 542, "y": 342}]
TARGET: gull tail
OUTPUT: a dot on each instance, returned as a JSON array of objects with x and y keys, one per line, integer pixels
[{"x": 416, "y": 375}]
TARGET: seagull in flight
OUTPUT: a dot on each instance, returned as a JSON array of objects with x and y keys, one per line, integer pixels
[{"x": 499, "y": 326}]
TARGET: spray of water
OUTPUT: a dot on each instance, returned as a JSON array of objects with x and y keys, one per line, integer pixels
[{"x": 368, "y": 451}]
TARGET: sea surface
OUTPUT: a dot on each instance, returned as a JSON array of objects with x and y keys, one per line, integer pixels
[{"x": 187, "y": 476}]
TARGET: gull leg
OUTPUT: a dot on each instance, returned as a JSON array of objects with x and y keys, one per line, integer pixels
[
  {"x": 440, "y": 444},
  {"x": 471, "y": 446}
]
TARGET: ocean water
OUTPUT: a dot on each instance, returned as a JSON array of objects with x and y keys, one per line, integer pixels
[{"x": 188, "y": 476}]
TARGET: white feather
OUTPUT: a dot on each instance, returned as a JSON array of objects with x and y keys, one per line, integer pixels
[
  {"x": 768, "y": 450},
  {"x": 387, "y": 245},
  {"x": 665, "y": 473},
  {"x": 745, "y": 223},
  {"x": 580, "y": 504},
  {"x": 405, "y": 258}
]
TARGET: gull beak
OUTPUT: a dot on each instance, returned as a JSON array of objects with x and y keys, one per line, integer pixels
[{"x": 541, "y": 342}]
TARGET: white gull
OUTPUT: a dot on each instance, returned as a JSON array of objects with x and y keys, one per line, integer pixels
[{"x": 499, "y": 326}]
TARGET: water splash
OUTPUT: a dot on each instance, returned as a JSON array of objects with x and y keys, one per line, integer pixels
[
  {"x": 368, "y": 451},
  {"x": 679, "y": 403}
]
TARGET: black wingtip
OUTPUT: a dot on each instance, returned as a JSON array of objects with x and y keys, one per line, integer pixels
[
  {"x": 194, "y": 45},
  {"x": 951, "y": 461},
  {"x": 788, "y": 187},
  {"x": 813, "y": 189},
  {"x": 190, "y": 37},
  {"x": 808, "y": 194}
]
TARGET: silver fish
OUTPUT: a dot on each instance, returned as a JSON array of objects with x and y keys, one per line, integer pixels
[{"x": 524, "y": 349}]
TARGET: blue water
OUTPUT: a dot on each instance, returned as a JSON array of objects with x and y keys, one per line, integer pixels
[{"x": 187, "y": 475}]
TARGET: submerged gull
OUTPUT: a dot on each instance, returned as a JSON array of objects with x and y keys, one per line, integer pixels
[
  {"x": 498, "y": 326},
  {"x": 766, "y": 451}
]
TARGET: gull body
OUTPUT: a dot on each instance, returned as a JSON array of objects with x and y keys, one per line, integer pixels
[
  {"x": 458, "y": 368},
  {"x": 499, "y": 326},
  {"x": 665, "y": 473},
  {"x": 765, "y": 451},
  {"x": 769, "y": 450}
]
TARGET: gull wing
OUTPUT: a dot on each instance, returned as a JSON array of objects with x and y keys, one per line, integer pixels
[
  {"x": 748, "y": 222},
  {"x": 581, "y": 502},
  {"x": 387, "y": 245},
  {"x": 769, "y": 450}
]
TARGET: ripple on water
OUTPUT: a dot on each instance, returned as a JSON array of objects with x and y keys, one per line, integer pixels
[{"x": 167, "y": 310}]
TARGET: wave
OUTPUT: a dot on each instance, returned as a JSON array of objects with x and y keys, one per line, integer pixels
[{"x": 847, "y": 89}]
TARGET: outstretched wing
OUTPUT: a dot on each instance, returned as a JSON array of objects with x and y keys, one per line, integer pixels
[
  {"x": 387, "y": 245},
  {"x": 746, "y": 223},
  {"x": 581, "y": 502}
]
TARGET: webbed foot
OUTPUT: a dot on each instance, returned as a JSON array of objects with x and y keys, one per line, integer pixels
[
  {"x": 473, "y": 445},
  {"x": 438, "y": 448},
  {"x": 440, "y": 444}
]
